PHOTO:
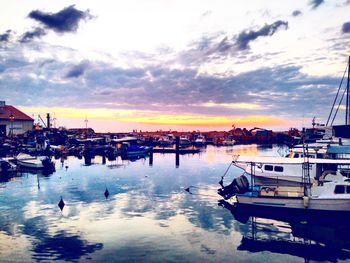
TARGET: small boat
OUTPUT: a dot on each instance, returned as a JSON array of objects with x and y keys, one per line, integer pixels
[
  {"x": 130, "y": 150},
  {"x": 166, "y": 140},
  {"x": 228, "y": 142},
  {"x": 200, "y": 140},
  {"x": 329, "y": 196},
  {"x": 136, "y": 150},
  {"x": 184, "y": 142},
  {"x": 36, "y": 162}
]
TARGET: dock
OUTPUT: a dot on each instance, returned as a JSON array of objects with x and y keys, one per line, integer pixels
[{"x": 173, "y": 150}]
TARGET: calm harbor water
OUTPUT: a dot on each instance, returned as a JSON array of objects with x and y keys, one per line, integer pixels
[{"x": 148, "y": 217}]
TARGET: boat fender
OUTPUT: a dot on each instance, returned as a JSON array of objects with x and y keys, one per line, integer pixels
[
  {"x": 306, "y": 201},
  {"x": 267, "y": 190}
]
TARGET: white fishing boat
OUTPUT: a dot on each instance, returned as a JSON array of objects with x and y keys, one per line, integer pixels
[
  {"x": 36, "y": 162},
  {"x": 328, "y": 196}
]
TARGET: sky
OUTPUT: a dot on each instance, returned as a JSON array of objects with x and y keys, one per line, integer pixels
[{"x": 182, "y": 65}]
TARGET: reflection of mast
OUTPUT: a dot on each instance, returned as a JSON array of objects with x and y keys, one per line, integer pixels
[
  {"x": 54, "y": 120},
  {"x": 86, "y": 127}
]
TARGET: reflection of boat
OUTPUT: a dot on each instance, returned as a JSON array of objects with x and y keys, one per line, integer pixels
[
  {"x": 303, "y": 234},
  {"x": 37, "y": 162}
]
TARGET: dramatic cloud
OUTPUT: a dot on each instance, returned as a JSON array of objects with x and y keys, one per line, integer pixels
[
  {"x": 161, "y": 89},
  {"x": 296, "y": 13},
  {"x": 77, "y": 70},
  {"x": 316, "y": 3},
  {"x": 245, "y": 37},
  {"x": 6, "y": 36},
  {"x": 346, "y": 28},
  {"x": 30, "y": 35},
  {"x": 66, "y": 20}
]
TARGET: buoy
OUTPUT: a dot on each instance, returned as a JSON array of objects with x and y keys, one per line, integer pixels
[
  {"x": 61, "y": 204},
  {"x": 106, "y": 193},
  {"x": 306, "y": 201}
]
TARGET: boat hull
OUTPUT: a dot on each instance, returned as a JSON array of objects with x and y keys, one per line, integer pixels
[
  {"x": 30, "y": 164},
  {"x": 300, "y": 203}
]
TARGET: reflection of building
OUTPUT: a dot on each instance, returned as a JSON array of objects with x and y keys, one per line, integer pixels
[{"x": 13, "y": 121}]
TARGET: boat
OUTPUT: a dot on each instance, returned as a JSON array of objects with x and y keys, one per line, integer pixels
[
  {"x": 289, "y": 171},
  {"x": 129, "y": 150},
  {"x": 200, "y": 140},
  {"x": 6, "y": 166},
  {"x": 228, "y": 142},
  {"x": 328, "y": 196},
  {"x": 36, "y": 162},
  {"x": 166, "y": 140},
  {"x": 331, "y": 195},
  {"x": 184, "y": 142}
]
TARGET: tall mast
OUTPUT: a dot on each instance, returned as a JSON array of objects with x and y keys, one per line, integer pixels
[{"x": 347, "y": 114}]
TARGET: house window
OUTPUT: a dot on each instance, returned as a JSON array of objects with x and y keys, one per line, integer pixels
[
  {"x": 268, "y": 168},
  {"x": 339, "y": 189},
  {"x": 279, "y": 169}
]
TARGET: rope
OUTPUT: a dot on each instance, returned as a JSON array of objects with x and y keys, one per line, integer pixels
[
  {"x": 222, "y": 177},
  {"x": 188, "y": 189},
  {"x": 341, "y": 100},
  {"x": 335, "y": 99}
]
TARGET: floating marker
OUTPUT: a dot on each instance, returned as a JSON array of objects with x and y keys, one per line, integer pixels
[
  {"x": 61, "y": 204},
  {"x": 187, "y": 189},
  {"x": 106, "y": 193}
]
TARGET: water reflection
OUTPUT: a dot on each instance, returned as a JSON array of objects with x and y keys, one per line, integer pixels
[
  {"x": 306, "y": 236},
  {"x": 147, "y": 216}
]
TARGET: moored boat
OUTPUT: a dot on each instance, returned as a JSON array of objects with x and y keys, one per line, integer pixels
[
  {"x": 330, "y": 196},
  {"x": 289, "y": 171},
  {"x": 36, "y": 162}
]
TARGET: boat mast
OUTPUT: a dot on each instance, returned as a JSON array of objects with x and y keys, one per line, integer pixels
[{"x": 347, "y": 115}]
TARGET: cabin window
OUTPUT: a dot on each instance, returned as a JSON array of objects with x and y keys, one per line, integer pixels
[
  {"x": 268, "y": 168},
  {"x": 296, "y": 155},
  {"x": 339, "y": 189},
  {"x": 279, "y": 169}
]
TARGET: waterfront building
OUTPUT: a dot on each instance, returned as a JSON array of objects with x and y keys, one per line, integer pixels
[{"x": 13, "y": 121}]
